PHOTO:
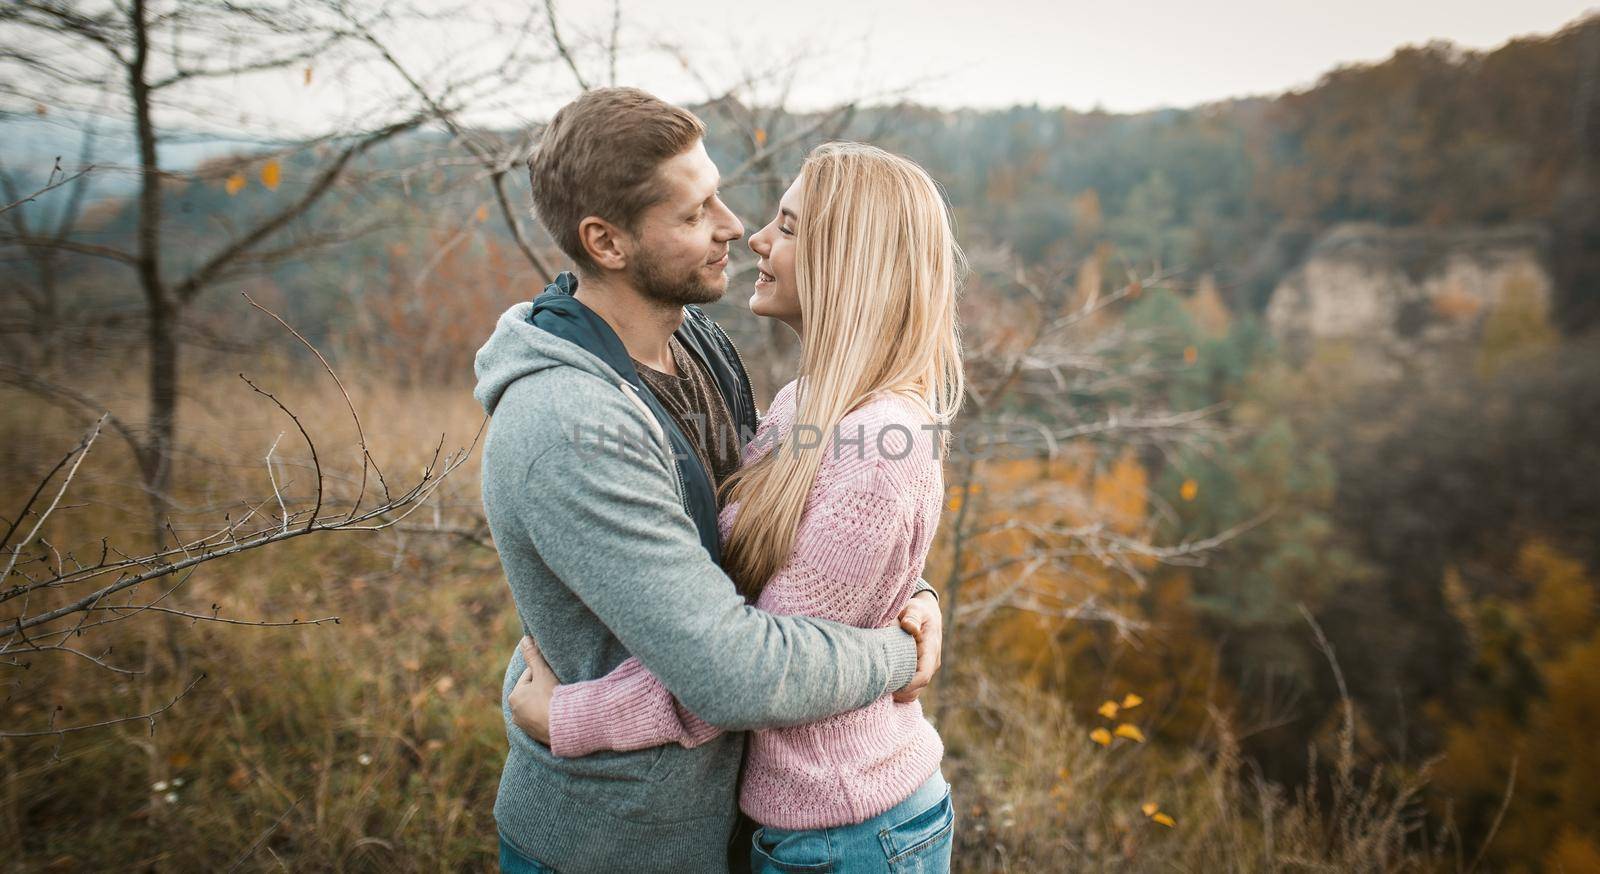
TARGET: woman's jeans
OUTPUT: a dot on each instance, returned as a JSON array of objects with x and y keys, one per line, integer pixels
[{"x": 914, "y": 836}]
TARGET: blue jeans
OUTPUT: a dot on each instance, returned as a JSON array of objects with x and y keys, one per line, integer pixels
[
  {"x": 915, "y": 835},
  {"x": 513, "y": 862}
]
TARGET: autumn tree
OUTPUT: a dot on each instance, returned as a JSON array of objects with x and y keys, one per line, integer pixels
[{"x": 159, "y": 60}]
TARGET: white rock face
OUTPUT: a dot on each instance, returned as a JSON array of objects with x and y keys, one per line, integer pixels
[{"x": 1403, "y": 290}]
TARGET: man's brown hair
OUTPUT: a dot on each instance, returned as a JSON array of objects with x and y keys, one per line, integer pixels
[{"x": 599, "y": 158}]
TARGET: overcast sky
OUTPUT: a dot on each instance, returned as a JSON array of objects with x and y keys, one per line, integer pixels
[
  {"x": 1127, "y": 56},
  {"x": 1123, "y": 57}
]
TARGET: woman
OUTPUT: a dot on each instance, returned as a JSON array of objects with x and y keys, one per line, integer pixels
[{"x": 832, "y": 518}]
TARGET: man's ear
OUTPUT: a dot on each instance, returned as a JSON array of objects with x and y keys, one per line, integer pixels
[{"x": 607, "y": 244}]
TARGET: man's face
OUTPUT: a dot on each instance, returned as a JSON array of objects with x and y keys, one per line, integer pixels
[{"x": 680, "y": 253}]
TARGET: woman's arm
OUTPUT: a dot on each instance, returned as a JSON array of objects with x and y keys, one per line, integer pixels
[
  {"x": 629, "y": 709},
  {"x": 842, "y": 549}
]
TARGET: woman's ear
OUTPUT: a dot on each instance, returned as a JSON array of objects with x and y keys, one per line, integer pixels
[{"x": 606, "y": 244}]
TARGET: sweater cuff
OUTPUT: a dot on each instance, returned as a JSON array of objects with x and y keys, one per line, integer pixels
[
  {"x": 925, "y": 586},
  {"x": 900, "y": 649},
  {"x": 620, "y": 711},
  {"x": 578, "y": 721}
]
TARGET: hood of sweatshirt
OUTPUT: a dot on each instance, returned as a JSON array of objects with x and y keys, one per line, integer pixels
[
  {"x": 553, "y": 330},
  {"x": 556, "y": 330}
]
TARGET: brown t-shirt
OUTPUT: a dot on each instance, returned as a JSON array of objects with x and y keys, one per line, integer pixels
[{"x": 695, "y": 404}]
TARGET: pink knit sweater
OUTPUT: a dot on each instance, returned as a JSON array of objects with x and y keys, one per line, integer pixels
[{"x": 860, "y": 546}]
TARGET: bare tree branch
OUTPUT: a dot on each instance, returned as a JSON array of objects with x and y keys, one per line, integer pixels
[
  {"x": 206, "y": 273},
  {"x": 58, "y": 178},
  {"x": 150, "y": 717},
  {"x": 561, "y": 45}
]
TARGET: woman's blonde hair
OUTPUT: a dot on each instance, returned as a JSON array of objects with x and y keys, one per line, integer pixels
[{"x": 877, "y": 268}]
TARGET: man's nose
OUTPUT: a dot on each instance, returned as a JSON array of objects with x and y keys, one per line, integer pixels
[{"x": 732, "y": 229}]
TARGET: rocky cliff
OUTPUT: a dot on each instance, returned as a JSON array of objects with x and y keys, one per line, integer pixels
[{"x": 1404, "y": 295}]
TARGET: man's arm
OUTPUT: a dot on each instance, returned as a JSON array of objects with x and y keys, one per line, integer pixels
[
  {"x": 609, "y": 524},
  {"x": 842, "y": 549}
]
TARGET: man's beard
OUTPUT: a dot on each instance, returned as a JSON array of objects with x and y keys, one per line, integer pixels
[{"x": 675, "y": 290}]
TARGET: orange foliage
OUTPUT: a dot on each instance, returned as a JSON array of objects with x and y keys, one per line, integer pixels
[
  {"x": 440, "y": 305},
  {"x": 1037, "y": 519}
]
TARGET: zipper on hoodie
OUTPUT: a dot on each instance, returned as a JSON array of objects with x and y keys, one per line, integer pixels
[{"x": 683, "y": 492}]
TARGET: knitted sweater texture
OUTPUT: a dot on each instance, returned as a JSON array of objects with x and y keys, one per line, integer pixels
[{"x": 868, "y": 522}]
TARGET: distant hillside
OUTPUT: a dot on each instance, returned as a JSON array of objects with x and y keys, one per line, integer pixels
[{"x": 1435, "y": 136}]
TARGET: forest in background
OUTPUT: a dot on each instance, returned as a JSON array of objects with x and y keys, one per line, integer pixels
[{"x": 1411, "y": 567}]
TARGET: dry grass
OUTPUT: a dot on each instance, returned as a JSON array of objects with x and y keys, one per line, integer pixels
[
  {"x": 376, "y": 743},
  {"x": 1034, "y": 793}
]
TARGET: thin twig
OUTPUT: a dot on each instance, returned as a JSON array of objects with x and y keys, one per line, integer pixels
[
  {"x": 561, "y": 45},
  {"x": 310, "y": 444},
  {"x": 51, "y": 184},
  {"x": 361, "y": 435},
  {"x": 117, "y": 608},
  {"x": 83, "y": 451},
  {"x": 151, "y": 716},
  {"x": 1505, "y": 803},
  {"x": 265, "y": 833}
]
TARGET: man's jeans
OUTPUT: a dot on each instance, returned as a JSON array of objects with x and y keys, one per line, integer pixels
[
  {"x": 513, "y": 862},
  {"x": 915, "y": 835}
]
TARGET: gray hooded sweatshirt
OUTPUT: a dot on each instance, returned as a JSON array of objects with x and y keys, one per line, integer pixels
[{"x": 604, "y": 562}]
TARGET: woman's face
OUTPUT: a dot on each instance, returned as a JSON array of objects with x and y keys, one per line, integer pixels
[{"x": 777, "y": 296}]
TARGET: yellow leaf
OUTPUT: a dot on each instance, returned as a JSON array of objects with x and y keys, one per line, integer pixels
[
  {"x": 236, "y": 184},
  {"x": 1108, "y": 709},
  {"x": 1190, "y": 355},
  {"x": 1131, "y": 701},
  {"x": 1131, "y": 732},
  {"x": 1101, "y": 737},
  {"x": 1061, "y": 773},
  {"x": 1164, "y": 820},
  {"x": 1149, "y": 808},
  {"x": 1189, "y": 489},
  {"x": 483, "y": 213},
  {"x": 761, "y": 136},
  {"x": 271, "y": 173},
  {"x": 308, "y": 76}
]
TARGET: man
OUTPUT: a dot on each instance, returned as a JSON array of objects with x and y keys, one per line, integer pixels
[{"x": 610, "y": 545}]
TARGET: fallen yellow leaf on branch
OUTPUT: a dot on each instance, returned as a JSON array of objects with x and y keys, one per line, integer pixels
[
  {"x": 1131, "y": 732},
  {"x": 1101, "y": 737}
]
